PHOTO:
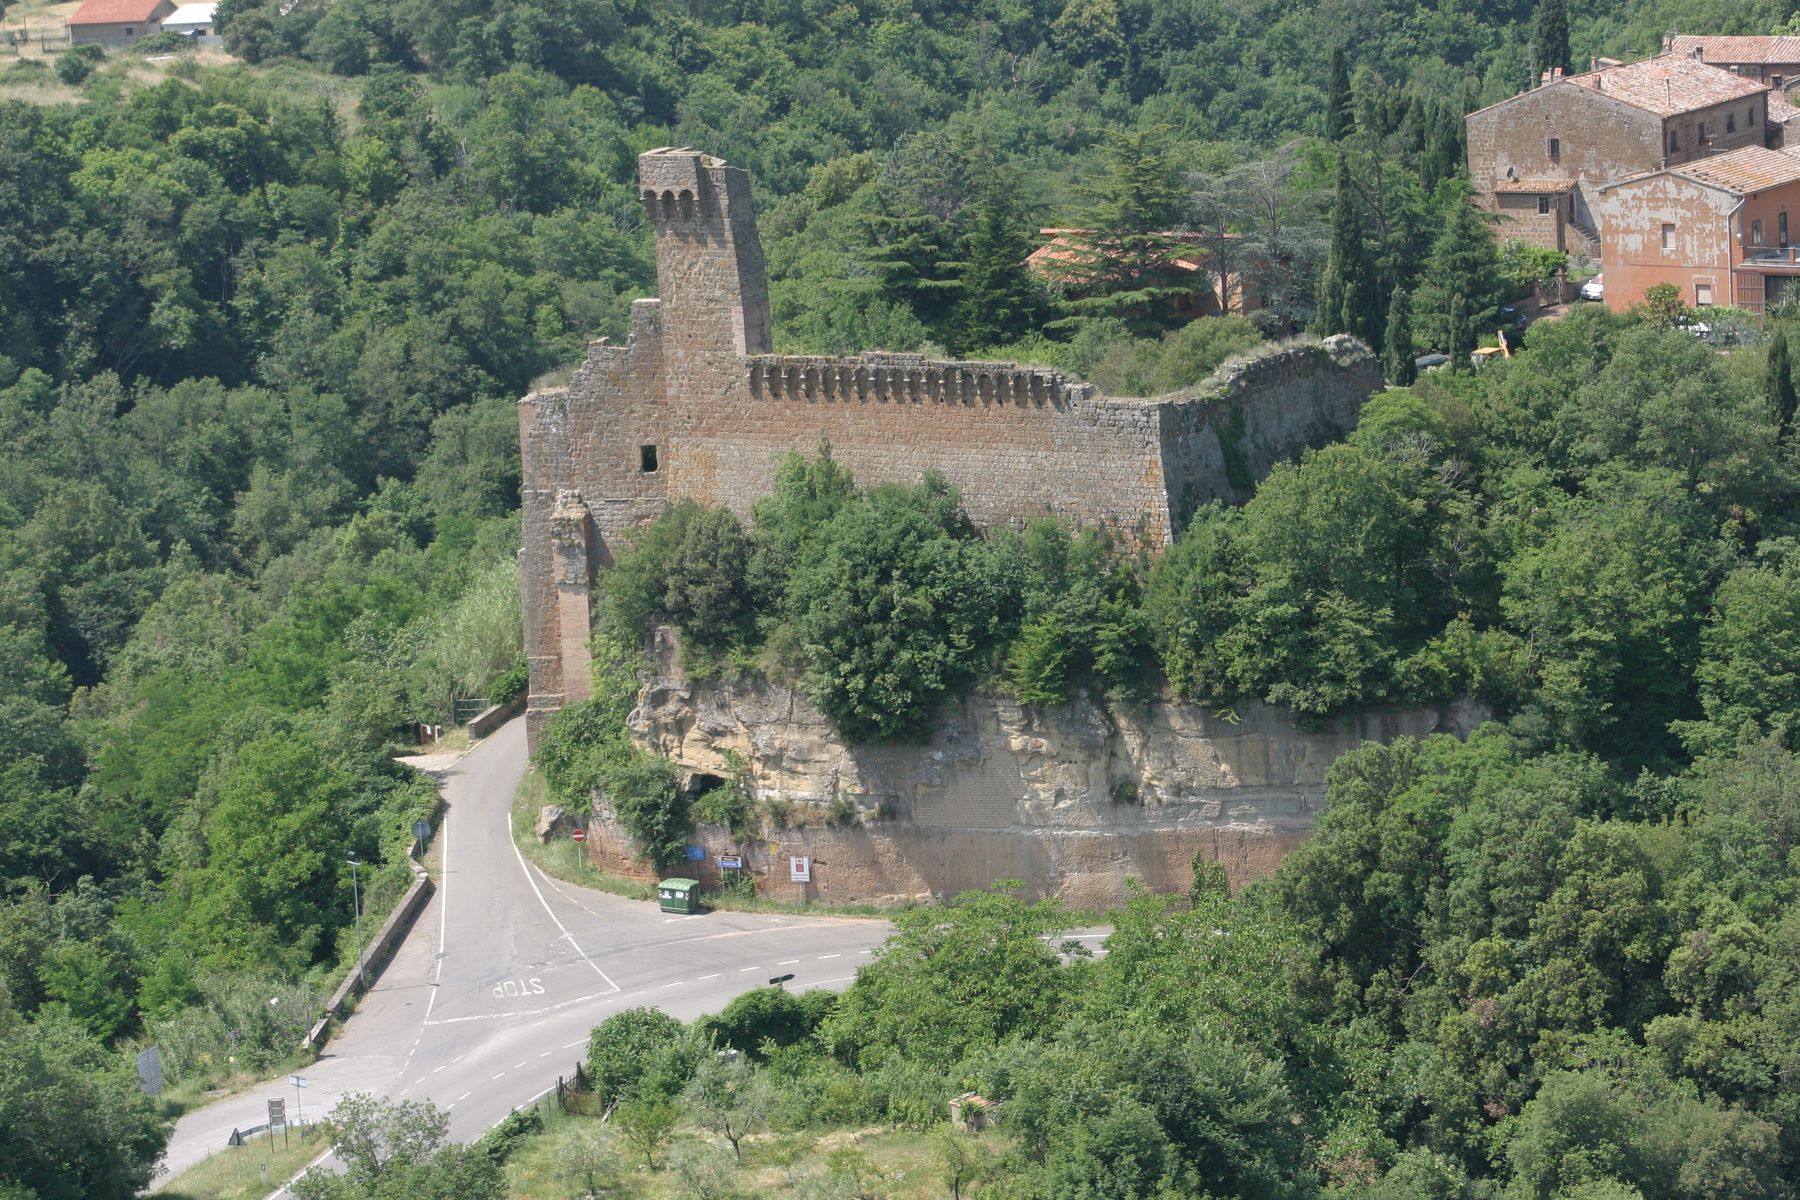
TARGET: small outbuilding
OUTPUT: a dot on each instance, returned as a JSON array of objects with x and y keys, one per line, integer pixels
[
  {"x": 193, "y": 20},
  {"x": 118, "y": 22}
]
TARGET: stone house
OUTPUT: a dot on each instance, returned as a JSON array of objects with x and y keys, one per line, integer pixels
[
  {"x": 1719, "y": 229},
  {"x": 696, "y": 406},
  {"x": 1772, "y": 61},
  {"x": 1538, "y": 158},
  {"x": 1064, "y": 259},
  {"x": 117, "y": 22}
]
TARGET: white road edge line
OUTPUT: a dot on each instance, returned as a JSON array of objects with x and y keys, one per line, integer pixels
[{"x": 569, "y": 937}]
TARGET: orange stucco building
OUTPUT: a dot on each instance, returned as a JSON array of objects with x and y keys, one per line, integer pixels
[{"x": 1720, "y": 229}]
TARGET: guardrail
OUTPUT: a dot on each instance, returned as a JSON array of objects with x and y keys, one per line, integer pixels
[{"x": 381, "y": 949}]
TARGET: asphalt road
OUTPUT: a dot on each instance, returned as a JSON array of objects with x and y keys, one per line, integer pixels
[{"x": 493, "y": 993}]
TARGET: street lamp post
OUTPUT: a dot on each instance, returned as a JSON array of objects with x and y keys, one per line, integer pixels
[{"x": 356, "y": 905}]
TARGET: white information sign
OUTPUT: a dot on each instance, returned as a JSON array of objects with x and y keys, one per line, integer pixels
[{"x": 800, "y": 868}]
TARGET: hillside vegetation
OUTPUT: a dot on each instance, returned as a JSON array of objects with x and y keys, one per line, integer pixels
[{"x": 262, "y": 327}]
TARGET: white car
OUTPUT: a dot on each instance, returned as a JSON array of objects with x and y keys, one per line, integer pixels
[{"x": 1594, "y": 289}]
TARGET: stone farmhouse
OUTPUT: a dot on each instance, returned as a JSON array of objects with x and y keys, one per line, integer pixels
[
  {"x": 1539, "y": 158},
  {"x": 696, "y": 405},
  {"x": 1717, "y": 228}
]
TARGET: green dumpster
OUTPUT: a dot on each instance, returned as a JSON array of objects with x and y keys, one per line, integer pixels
[{"x": 679, "y": 895}]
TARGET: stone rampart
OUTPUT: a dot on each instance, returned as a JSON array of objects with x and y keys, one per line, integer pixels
[{"x": 693, "y": 406}]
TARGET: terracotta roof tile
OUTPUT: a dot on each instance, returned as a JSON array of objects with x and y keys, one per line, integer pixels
[
  {"x": 116, "y": 12},
  {"x": 1781, "y": 109},
  {"x": 1668, "y": 85},
  {"x": 1735, "y": 49},
  {"x": 1744, "y": 171}
]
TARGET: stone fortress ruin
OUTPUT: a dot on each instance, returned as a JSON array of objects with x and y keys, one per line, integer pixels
[{"x": 695, "y": 406}]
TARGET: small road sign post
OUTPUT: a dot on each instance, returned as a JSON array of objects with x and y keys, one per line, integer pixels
[
  {"x": 421, "y": 835},
  {"x": 780, "y": 980},
  {"x": 277, "y": 1116},
  {"x": 299, "y": 1081},
  {"x": 578, "y": 836}
]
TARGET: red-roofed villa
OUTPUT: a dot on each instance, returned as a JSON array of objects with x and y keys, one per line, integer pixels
[{"x": 116, "y": 22}]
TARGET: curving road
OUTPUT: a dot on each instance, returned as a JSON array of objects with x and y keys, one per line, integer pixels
[{"x": 493, "y": 993}]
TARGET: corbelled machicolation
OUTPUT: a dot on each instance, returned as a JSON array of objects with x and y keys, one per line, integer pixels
[{"x": 695, "y": 405}]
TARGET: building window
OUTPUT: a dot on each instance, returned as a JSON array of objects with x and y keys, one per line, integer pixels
[
  {"x": 1781, "y": 230},
  {"x": 647, "y": 459},
  {"x": 1668, "y": 236},
  {"x": 1774, "y": 81},
  {"x": 1543, "y": 206},
  {"x": 1702, "y": 293},
  {"x": 1753, "y": 115},
  {"x": 130, "y": 32},
  {"x": 1555, "y": 147},
  {"x": 1674, "y": 141},
  {"x": 1730, "y": 122},
  {"x": 1702, "y": 139},
  {"x": 1756, "y": 238}
]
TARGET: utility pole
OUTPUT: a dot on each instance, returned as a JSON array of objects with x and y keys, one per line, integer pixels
[{"x": 356, "y": 906}]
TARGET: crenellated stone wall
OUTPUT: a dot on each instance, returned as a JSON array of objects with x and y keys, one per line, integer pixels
[
  {"x": 694, "y": 406},
  {"x": 1073, "y": 799}
]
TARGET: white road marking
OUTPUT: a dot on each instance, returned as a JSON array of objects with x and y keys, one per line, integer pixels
[
  {"x": 435, "y": 1070},
  {"x": 787, "y": 962},
  {"x": 823, "y": 957},
  {"x": 498, "y": 1076},
  {"x": 677, "y": 983},
  {"x": 517, "y": 1065},
  {"x": 443, "y": 899},
  {"x": 741, "y": 970},
  {"x": 704, "y": 978},
  {"x": 569, "y": 937},
  {"x": 547, "y": 1054},
  {"x": 464, "y": 1096},
  {"x": 572, "y": 1045},
  {"x": 865, "y": 952}
]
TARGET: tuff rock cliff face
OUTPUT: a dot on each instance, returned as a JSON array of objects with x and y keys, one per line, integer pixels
[{"x": 1074, "y": 800}]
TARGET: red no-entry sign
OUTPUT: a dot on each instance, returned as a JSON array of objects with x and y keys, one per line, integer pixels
[{"x": 579, "y": 835}]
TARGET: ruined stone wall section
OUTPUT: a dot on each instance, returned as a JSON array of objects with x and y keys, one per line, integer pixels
[{"x": 1222, "y": 436}]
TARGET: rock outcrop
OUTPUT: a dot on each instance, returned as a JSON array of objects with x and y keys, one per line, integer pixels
[{"x": 1074, "y": 799}]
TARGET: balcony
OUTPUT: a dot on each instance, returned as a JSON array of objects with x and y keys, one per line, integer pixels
[{"x": 1775, "y": 257}]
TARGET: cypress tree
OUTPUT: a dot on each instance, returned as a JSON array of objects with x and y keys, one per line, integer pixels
[
  {"x": 1348, "y": 300},
  {"x": 1340, "y": 116},
  {"x": 1549, "y": 38},
  {"x": 1780, "y": 376},
  {"x": 1398, "y": 360}
]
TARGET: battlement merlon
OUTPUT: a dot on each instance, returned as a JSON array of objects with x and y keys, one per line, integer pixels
[{"x": 910, "y": 379}]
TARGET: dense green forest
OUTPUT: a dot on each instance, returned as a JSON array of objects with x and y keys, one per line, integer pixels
[{"x": 262, "y": 327}]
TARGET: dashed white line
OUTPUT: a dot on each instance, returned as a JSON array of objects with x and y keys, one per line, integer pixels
[
  {"x": 435, "y": 1070},
  {"x": 464, "y": 1096},
  {"x": 823, "y": 957},
  {"x": 787, "y": 962},
  {"x": 677, "y": 983},
  {"x": 516, "y": 1066},
  {"x": 572, "y": 1045},
  {"x": 547, "y": 1054},
  {"x": 704, "y": 978},
  {"x": 501, "y": 1073},
  {"x": 741, "y": 970}
]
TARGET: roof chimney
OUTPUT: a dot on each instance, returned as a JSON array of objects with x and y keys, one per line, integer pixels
[{"x": 1699, "y": 54}]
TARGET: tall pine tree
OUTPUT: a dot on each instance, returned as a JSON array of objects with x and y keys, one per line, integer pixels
[
  {"x": 1340, "y": 114},
  {"x": 1460, "y": 289},
  {"x": 1120, "y": 265},
  {"x": 1397, "y": 362},
  {"x": 1000, "y": 301},
  {"x": 1549, "y": 38},
  {"x": 1349, "y": 301},
  {"x": 1780, "y": 376}
]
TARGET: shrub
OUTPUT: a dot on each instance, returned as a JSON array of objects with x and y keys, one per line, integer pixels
[
  {"x": 767, "y": 1014},
  {"x": 76, "y": 65},
  {"x": 510, "y": 683},
  {"x": 640, "y": 1055},
  {"x": 645, "y": 792}
]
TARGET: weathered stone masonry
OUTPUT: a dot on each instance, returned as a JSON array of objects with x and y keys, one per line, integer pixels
[{"x": 694, "y": 405}]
